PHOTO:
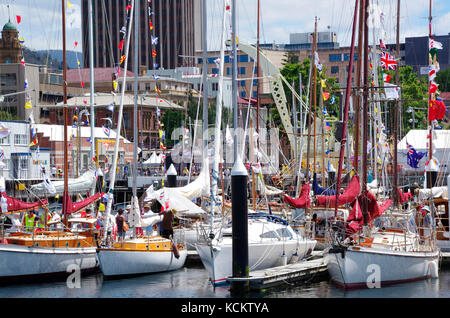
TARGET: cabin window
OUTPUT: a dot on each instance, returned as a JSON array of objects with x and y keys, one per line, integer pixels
[
  {"x": 284, "y": 233},
  {"x": 270, "y": 234}
]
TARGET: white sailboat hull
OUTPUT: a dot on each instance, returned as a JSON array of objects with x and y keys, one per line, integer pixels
[
  {"x": 121, "y": 262},
  {"x": 24, "y": 261},
  {"x": 261, "y": 256},
  {"x": 364, "y": 267}
]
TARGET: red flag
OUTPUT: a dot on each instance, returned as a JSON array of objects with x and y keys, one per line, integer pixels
[
  {"x": 19, "y": 19},
  {"x": 151, "y": 25},
  {"x": 75, "y": 44},
  {"x": 437, "y": 110},
  {"x": 121, "y": 45},
  {"x": 82, "y": 84},
  {"x": 129, "y": 7},
  {"x": 153, "y": 53}
]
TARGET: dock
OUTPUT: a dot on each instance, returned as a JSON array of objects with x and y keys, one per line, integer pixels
[{"x": 287, "y": 274}]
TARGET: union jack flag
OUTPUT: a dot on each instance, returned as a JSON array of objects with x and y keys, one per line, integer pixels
[{"x": 387, "y": 61}]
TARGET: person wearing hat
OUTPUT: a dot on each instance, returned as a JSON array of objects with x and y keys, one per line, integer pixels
[
  {"x": 120, "y": 221},
  {"x": 426, "y": 221}
]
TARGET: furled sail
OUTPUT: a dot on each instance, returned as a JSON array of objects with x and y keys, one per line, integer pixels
[
  {"x": 77, "y": 185},
  {"x": 302, "y": 201},
  {"x": 348, "y": 196}
]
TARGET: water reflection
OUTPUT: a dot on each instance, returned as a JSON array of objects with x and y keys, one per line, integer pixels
[{"x": 193, "y": 282}]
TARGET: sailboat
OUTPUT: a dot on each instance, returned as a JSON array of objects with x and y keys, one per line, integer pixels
[
  {"x": 40, "y": 251},
  {"x": 271, "y": 241},
  {"x": 145, "y": 254},
  {"x": 362, "y": 255}
]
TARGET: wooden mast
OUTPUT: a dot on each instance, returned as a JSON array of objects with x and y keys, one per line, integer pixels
[
  {"x": 358, "y": 84},
  {"x": 308, "y": 153},
  {"x": 396, "y": 110},
  {"x": 365, "y": 114},
  {"x": 346, "y": 107},
  {"x": 66, "y": 157},
  {"x": 315, "y": 94}
]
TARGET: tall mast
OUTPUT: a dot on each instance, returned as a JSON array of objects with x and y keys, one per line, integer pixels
[
  {"x": 346, "y": 107},
  {"x": 217, "y": 139},
  {"x": 205, "y": 166},
  {"x": 396, "y": 110},
  {"x": 313, "y": 69},
  {"x": 365, "y": 115},
  {"x": 315, "y": 94},
  {"x": 92, "y": 80},
  {"x": 66, "y": 157},
  {"x": 257, "y": 81},
  {"x": 135, "y": 110},
  {"x": 113, "y": 169},
  {"x": 358, "y": 84}
]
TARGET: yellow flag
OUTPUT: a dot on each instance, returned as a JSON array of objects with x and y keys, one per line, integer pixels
[
  {"x": 322, "y": 82},
  {"x": 28, "y": 105},
  {"x": 101, "y": 207},
  {"x": 115, "y": 85},
  {"x": 69, "y": 5}
]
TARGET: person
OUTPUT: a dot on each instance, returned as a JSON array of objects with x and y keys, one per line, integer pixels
[
  {"x": 53, "y": 171},
  {"x": 426, "y": 221},
  {"x": 29, "y": 221},
  {"x": 125, "y": 171},
  {"x": 167, "y": 224},
  {"x": 120, "y": 220}
]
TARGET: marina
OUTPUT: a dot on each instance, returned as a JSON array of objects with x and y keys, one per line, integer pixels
[{"x": 177, "y": 158}]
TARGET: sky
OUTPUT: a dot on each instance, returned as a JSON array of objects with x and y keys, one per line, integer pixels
[{"x": 41, "y": 20}]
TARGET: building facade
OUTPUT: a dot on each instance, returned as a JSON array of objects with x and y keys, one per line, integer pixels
[
  {"x": 177, "y": 24},
  {"x": 416, "y": 52},
  {"x": 10, "y": 47}
]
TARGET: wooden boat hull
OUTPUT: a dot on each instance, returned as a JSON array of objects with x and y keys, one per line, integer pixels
[
  {"x": 26, "y": 261},
  {"x": 117, "y": 262},
  {"x": 261, "y": 256},
  {"x": 359, "y": 267}
]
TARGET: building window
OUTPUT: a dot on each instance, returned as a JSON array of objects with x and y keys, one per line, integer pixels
[
  {"x": 20, "y": 140},
  {"x": 23, "y": 164},
  {"x": 335, "y": 70},
  {"x": 8, "y": 79},
  {"x": 228, "y": 71},
  {"x": 215, "y": 86},
  {"x": 211, "y": 60},
  {"x": 242, "y": 83},
  {"x": 255, "y": 94},
  {"x": 242, "y": 70},
  {"x": 347, "y": 56},
  {"x": 227, "y": 59},
  {"x": 243, "y": 94},
  {"x": 335, "y": 57},
  {"x": 4, "y": 141},
  {"x": 215, "y": 71},
  {"x": 243, "y": 58}
]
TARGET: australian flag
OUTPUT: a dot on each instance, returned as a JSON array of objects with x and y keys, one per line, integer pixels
[{"x": 413, "y": 156}]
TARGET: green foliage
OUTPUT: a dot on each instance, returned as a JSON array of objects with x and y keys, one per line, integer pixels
[
  {"x": 443, "y": 79},
  {"x": 4, "y": 115},
  {"x": 172, "y": 119},
  {"x": 414, "y": 93}
]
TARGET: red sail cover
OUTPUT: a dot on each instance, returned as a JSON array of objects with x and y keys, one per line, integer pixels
[
  {"x": 403, "y": 197},
  {"x": 303, "y": 200},
  {"x": 17, "y": 205},
  {"x": 348, "y": 196},
  {"x": 74, "y": 207}
]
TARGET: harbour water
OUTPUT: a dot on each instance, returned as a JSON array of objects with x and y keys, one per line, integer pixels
[{"x": 192, "y": 282}]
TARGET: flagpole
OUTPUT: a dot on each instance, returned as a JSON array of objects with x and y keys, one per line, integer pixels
[{"x": 395, "y": 193}]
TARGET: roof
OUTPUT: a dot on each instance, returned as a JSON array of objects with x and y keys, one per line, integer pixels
[
  {"x": 101, "y": 74},
  {"x": 56, "y": 132},
  {"x": 105, "y": 99},
  {"x": 9, "y": 26},
  {"x": 445, "y": 95},
  {"x": 418, "y": 139}
]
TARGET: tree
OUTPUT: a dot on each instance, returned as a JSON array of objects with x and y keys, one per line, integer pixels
[
  {"x": 443, "y": 79},
  {"x": 172, "y": 119},
  {"x": 414, "y": 93},
  {"x": 4, "y": 115}
]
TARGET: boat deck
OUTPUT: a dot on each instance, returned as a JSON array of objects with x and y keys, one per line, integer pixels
[{"x": 287, "y": 274}]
